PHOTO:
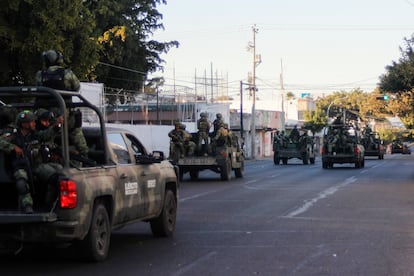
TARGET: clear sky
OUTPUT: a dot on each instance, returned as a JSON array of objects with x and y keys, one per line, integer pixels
[{"x": 324, "y": 45}]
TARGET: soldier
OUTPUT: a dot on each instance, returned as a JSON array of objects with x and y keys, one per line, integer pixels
[
  {"x": 23, "y": 144},
  {"x": 217, "y": 123},
  {"x": 294, "y": 135},
  {"x": 222, "y": 135},
  {"x": 177, "y": 141},
  {"x": 203, "y": 126},
  {"x": 189, "y": 144},
  {"x": 333, "y": 140},
  {"x": 56, "y": 76},
  {"x": 285, "y": 140}
]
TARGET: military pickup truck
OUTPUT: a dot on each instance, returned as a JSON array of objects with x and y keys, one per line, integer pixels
[
  {"x": 283, "y": 150},
  {"x": 374, "y": 145},
  {"x": 342, "y": 144},
  {"x": 117, "y": 184},
  {"x": 223, "y": 160}
]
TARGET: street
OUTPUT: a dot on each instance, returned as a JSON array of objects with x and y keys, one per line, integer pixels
[{"x": 278, "y": 220}]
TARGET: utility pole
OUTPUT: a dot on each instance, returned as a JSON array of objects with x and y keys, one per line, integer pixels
[
  {"x": 282, "y": 91},
  {"x": 256, "y": 61}
]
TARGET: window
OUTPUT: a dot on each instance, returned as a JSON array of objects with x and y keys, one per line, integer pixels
[{"x": 119, "y": 147}]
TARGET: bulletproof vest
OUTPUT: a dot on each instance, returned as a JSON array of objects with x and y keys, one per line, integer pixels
[{"x": 54, "y": 79}]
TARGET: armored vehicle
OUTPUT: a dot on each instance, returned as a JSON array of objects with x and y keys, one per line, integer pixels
[{"x": 117, "y": 183}]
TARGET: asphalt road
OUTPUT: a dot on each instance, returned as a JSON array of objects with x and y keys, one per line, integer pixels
[{"x": 278, "y": 220}]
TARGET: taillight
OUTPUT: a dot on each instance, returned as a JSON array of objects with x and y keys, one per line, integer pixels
[
  {"x": 323, "y": 151},
  {"x": 68, "y": 194},
  {"x": 356, "y": 150}
]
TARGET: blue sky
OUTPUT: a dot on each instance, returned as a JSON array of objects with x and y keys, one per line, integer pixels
[{"x": 324, "y": 45}]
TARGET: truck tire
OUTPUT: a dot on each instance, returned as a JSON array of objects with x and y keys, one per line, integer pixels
[
  {"x": 164, "y": 224},
  {"x": 95, "y": 246},
  {"x": 284, "y": 161},
  {"x": 225, "y": 170},
  {"x": 312, "y": 160},
  {"x": 239, "y": 171}
]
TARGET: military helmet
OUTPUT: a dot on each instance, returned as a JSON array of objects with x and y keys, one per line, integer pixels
[
  {"x": 177, "y": 123},
  {"x": 203, "y": 114},
  {"x": 44, "y": 114},
  {"x": 52, "y": 57},
  {"x": 219, "y": 116},
  {"x": 25, "y": 117}
]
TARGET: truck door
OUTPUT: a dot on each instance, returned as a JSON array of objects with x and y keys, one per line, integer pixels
[
  {"x": 131, "y": 189},
  {"x": 149, "y": 177}
]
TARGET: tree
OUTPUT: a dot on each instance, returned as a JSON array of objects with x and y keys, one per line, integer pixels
[
  {"x": 315, "y": 120},
  {"x": 27, "y": 28},
  {"x": 105, "y": 40},
  {"x": 400, "y": 74},
  {"x": 124, "y": 29}
]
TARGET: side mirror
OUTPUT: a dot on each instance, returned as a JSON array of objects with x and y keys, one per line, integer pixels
[{"x": 158, "y": 155}]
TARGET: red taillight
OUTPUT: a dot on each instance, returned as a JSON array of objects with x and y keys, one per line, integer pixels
[
  {"x": 323, "y": 151},
  {"x": 68, "y": 194},
  {"x": 356, "y": 150}
]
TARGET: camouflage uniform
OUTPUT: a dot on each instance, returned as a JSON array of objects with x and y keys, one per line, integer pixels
[
  {"x": 189, "y": 144},
  {"x": 294, "y": 135},
  {"x": 222, "y": 136},
  {"x": 22, "y": 145},
  {"x": 46, "y": 168},
  {"x": 177, "y": 141},
  {"x": 217, "y": 123},
  {"x": 56, "y": 76},
  {"x": 203, "y": 126}
]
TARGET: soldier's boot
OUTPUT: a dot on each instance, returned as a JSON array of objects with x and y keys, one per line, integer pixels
[{"x": 25, "y": 199}]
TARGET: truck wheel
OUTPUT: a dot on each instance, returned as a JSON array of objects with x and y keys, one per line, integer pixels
[
  {"x": 194, "y": 174},
  {"x": 239, "y": 171},
  {"x": 324, "y": 164},
  {"x": 164, "y": 224},
  {"x": 95, "y": 246},
  {"x": 276, "y": 159},
  {"x": 285, "y": 161},
  {"x": 225, "y": 171},
  {"x": 312, "y": 160},
  {"x": 358, "y": 164}
]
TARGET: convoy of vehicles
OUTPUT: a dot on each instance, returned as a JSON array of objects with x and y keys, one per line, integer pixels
[
  {"x": 397, "y": 146},
  {"x": 119, "y": 183}
]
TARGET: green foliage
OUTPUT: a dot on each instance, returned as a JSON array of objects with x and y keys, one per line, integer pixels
[
  {"x": 91, "y": 35},
  {"x": 400, "y": 74},
  {"x": 132, "y": 51},
  {"x": 315, "y": 120},
  {"x": 30, "y": 27}
]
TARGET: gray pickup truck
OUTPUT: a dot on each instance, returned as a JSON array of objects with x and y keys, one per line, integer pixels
[{"x": 119, "y": 183}]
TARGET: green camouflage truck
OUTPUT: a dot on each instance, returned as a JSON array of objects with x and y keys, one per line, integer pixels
[
  {"x": 304, "y": 149},
  {"x": 117, "y": 184},
  {"x": 223, "y": 160}
]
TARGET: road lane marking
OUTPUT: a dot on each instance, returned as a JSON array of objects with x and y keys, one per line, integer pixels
[
  {"x": 188, "y": 267},
  {"x": 321, "y": 195},
  {"x": 197, "y": 195}
]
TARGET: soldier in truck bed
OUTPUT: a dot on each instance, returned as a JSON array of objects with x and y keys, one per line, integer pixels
[{"x": 56, "y": 75}]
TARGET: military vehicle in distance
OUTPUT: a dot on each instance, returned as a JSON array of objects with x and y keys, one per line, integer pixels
[
  {"x": 342, "y": 144},
  {"x": 374, "y": 145},
  {"x": 285, "y": 149},
  {"x": 118, "y": 184},
  {"x": 222, "y": 159}
]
